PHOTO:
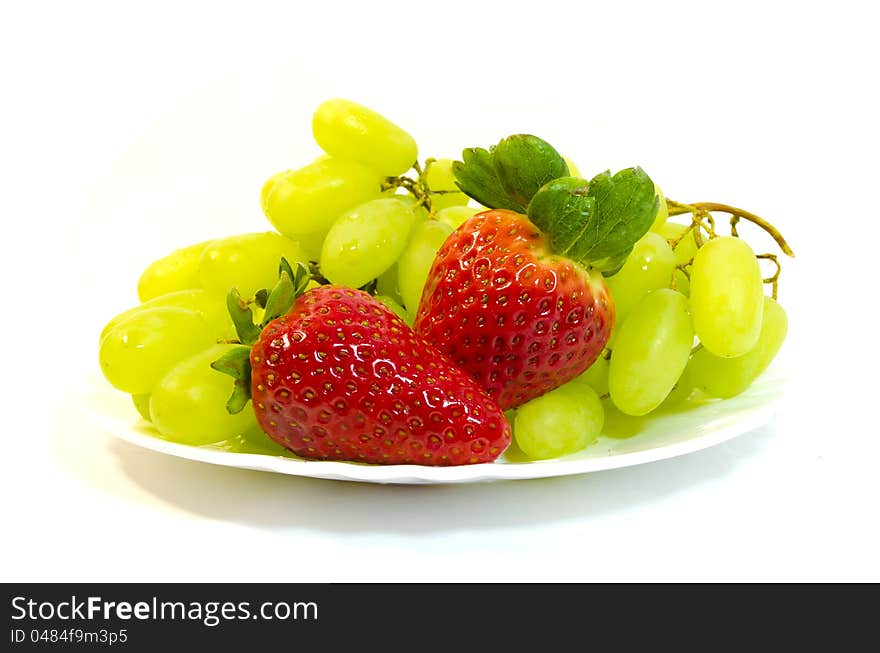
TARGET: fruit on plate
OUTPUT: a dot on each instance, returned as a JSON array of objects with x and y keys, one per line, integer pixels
[
  {"x": 540, "y": 303},
  {"x": 510, "y": 298},
  {"x": 339, "y": 376}
]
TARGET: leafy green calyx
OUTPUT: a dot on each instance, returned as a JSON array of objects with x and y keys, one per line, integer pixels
[
  {"x": 596, "y": 223},
  {"x": 508, "y": 174},
  {"x": 236, "y": 363},
  {"x": 292, "y": 282}
]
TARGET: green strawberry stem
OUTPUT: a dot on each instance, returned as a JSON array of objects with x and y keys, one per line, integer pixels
[{"x": 292, "y": 282}]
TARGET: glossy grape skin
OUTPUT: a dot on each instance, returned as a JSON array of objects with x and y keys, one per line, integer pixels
[
  {"x": 596, "y": 375},
  {"x": 726, "y": 295},
  {"x": 386, "y": 284},
  {"x": 311, "y": 245},
  {"x": 395, "y": 307},
  {"x": 650, "y": 352},
  {"x": 176, "y": 271},
  {"x": 439, "y": 177},
  {"x": 142, "y": 405},
  {"x": 728, "y": 377},
  {"x": 455, "y": 216},
  {"x": 188, "y": 405},
  {"x": 349, "y": 130},
  {"x": 416, "y": 261},
  {"x": 366, "y": 241},
  {"x": 211, "y": 307},
  {"x": 560, "y": 422},
  {"x": 248, "y": 262},
  {"x": 662, "y": 211},
  {"x": 137, "y": 352},
  {"x": 305, "y": 202},
  {"x": 648, "y": 267}
]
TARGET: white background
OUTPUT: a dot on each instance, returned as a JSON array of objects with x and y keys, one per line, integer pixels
[{"x": 129, "y": 129}]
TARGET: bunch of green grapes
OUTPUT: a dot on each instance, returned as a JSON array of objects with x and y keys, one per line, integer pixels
[
  {"x": 693, "y": 324},
  {"x": 693, "y": 320},
  {"x": 161, "y": 351}
]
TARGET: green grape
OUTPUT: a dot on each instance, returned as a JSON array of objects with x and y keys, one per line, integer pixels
[
  {"x": 142, "y": 404},
  {"x": 650, "y": 352},
  {"x": 648, "y": 267},
  {"x": 572, "y": 168},
  {"x": 560, "y": 422},
  {"x": 727, "y": 377},
  {"x": 681, "y": 391},
  {"x": 366, "y": 241},
  {"x": 596, "y": 376},
  {"x": 188, "y": 405},
  {"x": 305, "y": 202},
  {"x": 212, "y": 308},
  {"x": 421, "y": 212},
  {"x": 248, "y": 262},
  {"x": 386, "y": 284},
  {"x": 416, "y": 261},
  {"x": 455, "y": 216},
  {"x": 255, "y": 441},
  {"x": 311, "y": 245},
  {"x": 138, "y": 351},
  {"x": 350, "y": 131},
  {"x": 727, "y": 296},
  {"x": 177, "y": 271},
  {"x": 662, "y": 211},
  {"x": 395, "y": 307},
  {"x": 439, "y": 177}
]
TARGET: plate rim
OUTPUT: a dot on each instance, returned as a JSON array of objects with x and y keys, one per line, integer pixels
[{"x": 423, "y": 474}]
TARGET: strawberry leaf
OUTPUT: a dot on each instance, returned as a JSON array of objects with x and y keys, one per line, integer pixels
[
  {"x": 525, "y": 163},
  {"x": 596, "y": 223},
  {"x": 625, "y": 208},
  {"x": 563, "y": 209},
  {"x": 236, "y": 363},
  {"x": 477, "y": 178},
  {"x": 242, "y": 318},
  {"x": 280, "y": 298}
]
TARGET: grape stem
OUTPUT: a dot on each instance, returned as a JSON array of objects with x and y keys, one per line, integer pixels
[
  {"x": 701, "y": 210},
  {"x": 773, "y": 280},
  {"x": 315, "y": 273}
]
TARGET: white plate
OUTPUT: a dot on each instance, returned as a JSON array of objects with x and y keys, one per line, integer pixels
[{"x": 662, "y": 436}]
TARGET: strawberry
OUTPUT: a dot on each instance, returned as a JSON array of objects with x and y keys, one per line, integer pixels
[
  {"x": 502, "y": 306},
  {"x": 515, "y": 296},
  {"x": 341, "y": 377}
]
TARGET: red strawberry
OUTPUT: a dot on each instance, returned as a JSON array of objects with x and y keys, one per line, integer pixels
[
  {"x": 340, "y": 377},
  {"x": 516, "y": 317}
]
